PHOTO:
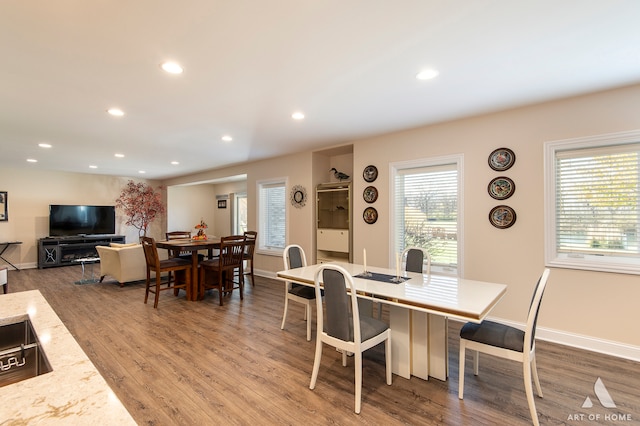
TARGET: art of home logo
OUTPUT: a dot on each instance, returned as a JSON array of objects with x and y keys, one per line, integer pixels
[{"x": 606, "y": 401}]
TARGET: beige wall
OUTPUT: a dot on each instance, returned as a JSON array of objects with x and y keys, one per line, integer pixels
[
  {"x": 31, "y": 191},
  {"x": 594, "y": 306}
]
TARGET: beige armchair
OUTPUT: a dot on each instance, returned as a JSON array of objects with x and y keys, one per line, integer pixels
[{"x": 124, "y": 262}]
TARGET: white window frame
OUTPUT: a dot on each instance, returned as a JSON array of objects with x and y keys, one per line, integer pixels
[
  {"x": 582, "y": 261},
  {"x": 394, "y": 169},
  {"x": 261, "y": 247}
]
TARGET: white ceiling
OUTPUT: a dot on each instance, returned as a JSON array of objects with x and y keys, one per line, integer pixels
[{"x": 350, "y": 65}]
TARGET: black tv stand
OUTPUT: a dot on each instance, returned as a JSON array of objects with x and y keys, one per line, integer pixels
[{"x": 63, "y": 251}]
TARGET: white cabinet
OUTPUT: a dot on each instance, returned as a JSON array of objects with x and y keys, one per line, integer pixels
[{"x": 333, "y": 230}]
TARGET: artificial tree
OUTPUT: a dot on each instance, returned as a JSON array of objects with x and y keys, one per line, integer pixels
[{"x": 141, "y": 204}]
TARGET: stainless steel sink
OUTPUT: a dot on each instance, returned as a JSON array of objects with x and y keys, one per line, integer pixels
[{"x": 21, "y": 356}]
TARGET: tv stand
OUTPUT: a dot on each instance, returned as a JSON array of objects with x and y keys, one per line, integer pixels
[{"x": 64, "y": 251}]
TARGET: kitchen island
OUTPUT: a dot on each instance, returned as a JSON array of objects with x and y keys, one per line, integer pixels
[{"x": 74, "y": 392}]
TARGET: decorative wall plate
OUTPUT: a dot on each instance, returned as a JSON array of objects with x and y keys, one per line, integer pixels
[
  {"x": 502, "y": 217},
  {"x": 370, "y": 194},
  {"x": 501, "y": 159},
  {"x": 298, "y": 196},
  {"x": 370, "y": 173},
  {"x": 370, "y": 215},
  {"x": 501, "y": 188}
]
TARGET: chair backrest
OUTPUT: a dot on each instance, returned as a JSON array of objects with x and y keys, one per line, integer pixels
[
  {"x": 293, "y": 257},
  {"x": 415, "y": 259},
  {"x": 150, "y": 252},
  {"x": 534, "y": 309},
  {"x": 250, "y": 243},
  {"x": 340, "y": 306},
  {"x": 231, "y": 251},
  {"x": 176, "y": 235}
]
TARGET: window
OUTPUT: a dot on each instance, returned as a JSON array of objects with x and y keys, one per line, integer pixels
[
  {"x": 592, "y": 214},
  {"x": 426, "y": 211},
  {"x": 272, "y": 217},
  {"x": 240, "y": 213}
]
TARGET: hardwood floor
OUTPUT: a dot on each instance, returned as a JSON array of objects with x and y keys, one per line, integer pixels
[{"x": 198, "y": 363}]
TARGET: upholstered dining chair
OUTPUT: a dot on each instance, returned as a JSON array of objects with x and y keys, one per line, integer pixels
[
  {"x": 224, "y": 266},
  {"x": 343, "y": 327},
  {"x": 507, "y": 342},
  {"x": 249, "y": 249},
  {"x": 159, "y": 266},
  {"x": 416, "y": 259},
  {"x": 293, "y": 257}
]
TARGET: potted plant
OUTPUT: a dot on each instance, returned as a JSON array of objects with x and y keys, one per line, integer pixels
[{"x": 141, "y": 204}]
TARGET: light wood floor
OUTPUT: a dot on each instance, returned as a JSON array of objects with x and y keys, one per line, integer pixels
[{"x": 197, "y": 363}]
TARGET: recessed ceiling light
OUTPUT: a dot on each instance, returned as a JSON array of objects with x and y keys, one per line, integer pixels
[
  {"x": 427, "y": 74},
  {"x": 172, "y": 67},
  {"x": 227, "y": 138},
  {"x": 93, "y": 167},
  {"x": 175, "y": 163},
  {"x": 116, "y": 112},
  {"x": 32, "y": 160},
  {"x": 119, "y": 155},
  {"x": 44, "y": 145},
  {"x": 297, "y": 115},
  {"x": 141, "y": 172}
]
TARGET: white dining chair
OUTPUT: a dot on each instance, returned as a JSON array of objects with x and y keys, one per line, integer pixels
[
  {"x": 293, "y": 257},
  {"x": 507, "y": 342}
]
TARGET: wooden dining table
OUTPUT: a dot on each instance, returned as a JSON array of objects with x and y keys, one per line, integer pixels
[{"x": 193, "y": 246}]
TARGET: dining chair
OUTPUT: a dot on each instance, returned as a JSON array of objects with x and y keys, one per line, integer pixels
[
  {"x": 158, "y": 266},
  {"x": 250, "y": 246},
  {"x": 507, "y": 342},
  {"x": 179, "y": 235},
  {"x": 293, "y": 257},
  {"x": 230, "y": 259},
  {"x": 416, "y": 259},
  {"x": 343, "y": 327}
]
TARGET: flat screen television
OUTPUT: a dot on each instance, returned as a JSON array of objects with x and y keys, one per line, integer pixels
[{"x": 67, "y": 220}]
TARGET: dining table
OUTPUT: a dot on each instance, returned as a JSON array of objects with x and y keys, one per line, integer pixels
[
  {"x": 194, "y": 246},
  {"x": 419, "y": 307}
]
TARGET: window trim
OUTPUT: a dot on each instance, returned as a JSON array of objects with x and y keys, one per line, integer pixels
[
  {"x": 394, "y": 168},
  {"x": 585, "y": 261},
  {"x": 261, "y": 234}
]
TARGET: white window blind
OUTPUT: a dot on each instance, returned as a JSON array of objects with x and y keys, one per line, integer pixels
[
  {"x": 272, "y": 215},
  {"x": 593, "y": 211},
  {"x": 426, "y": 211}
]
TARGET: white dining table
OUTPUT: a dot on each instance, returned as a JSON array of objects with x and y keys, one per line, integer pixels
[{"x": 418, "y": 311}]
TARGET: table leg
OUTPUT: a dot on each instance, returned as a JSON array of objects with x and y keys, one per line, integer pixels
[
  {"x": 193, "y": 291},
  {"x": 400, "y": 325}
]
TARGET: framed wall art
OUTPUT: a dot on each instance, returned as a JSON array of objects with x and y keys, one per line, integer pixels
[
  {"x": 222, "y": 204},
  {"x": 501, "y": 188},
  {"x": 501, "y": 159},
  {"x": 370, "y": 173},
  {"x": 370, "y": 215},
  {"x": 502, "y": 217},
  {"x": 4, "y": 207},
  {"x": 370, "y": 194}
]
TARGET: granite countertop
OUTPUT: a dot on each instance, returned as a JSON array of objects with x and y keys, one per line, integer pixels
[{"x": 74, "y": 392}]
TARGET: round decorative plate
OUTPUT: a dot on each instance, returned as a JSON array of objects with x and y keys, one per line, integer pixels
[
  {"x": 501, "y": 159},
  {"x": 298, "y": 196},
  {"x": 370, "y": 194},
  {"x": 502, "y": 217},
  {"x": 370, "y": 173},
  {"x": 501, "y": 188},
  {"x": 370, "y": 215}
]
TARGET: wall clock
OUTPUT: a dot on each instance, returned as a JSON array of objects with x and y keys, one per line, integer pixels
[
  {"x": 298, "y": 196},
  {"x": 370, "y": 194}
]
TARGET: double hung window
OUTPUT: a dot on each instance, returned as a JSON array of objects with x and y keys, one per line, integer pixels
[
  {"x": 272, "y": 216},
  {"x": 592, "y": 213}
]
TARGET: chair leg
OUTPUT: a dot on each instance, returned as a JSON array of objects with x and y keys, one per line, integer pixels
[
  {"x": 534, "y": 371},
  {"x": 308, "y": 310},
  {"x": 461, "y": 369},
  {"x": 146, "y": 289},
  {"x": 316, "y": 363},
  {"x": 387, "y": 355},
  {"x": 158, "y": 283},
  {"x": 528, "y": 388},
  {"x": 476, "y": 362},
  {"x": 284, "y": 314},
  {"x": 358, "y": 364}
]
